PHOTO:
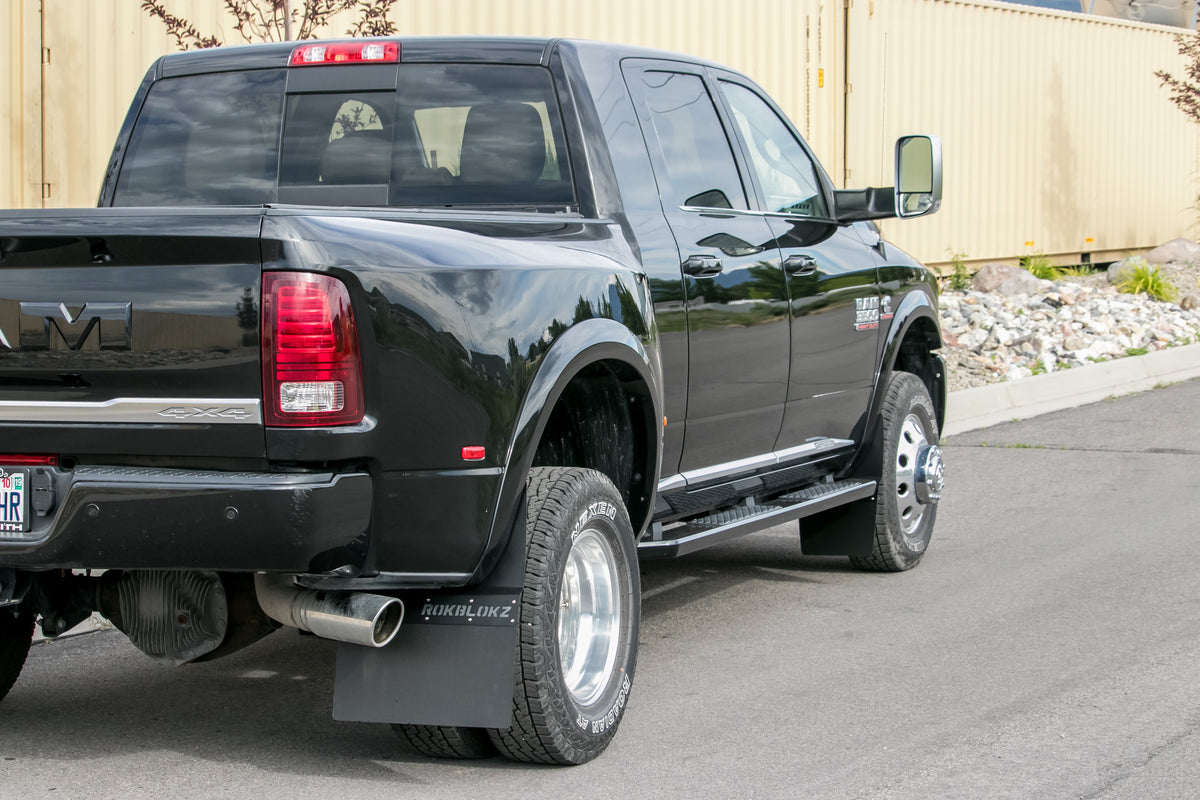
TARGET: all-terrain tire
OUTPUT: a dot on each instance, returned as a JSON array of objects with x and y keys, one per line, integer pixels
[
  {"x": 580, "y": 612},
  {"x": 16, "y": 635},
  {"x": 446, "y": 741},
  {"x": 903, "y": 524}
]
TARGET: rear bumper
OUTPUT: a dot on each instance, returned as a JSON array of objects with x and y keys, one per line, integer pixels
[{"x": 134, "y": 518}]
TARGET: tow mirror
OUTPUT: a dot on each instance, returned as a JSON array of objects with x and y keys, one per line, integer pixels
[{"x": 918, "y": 175}]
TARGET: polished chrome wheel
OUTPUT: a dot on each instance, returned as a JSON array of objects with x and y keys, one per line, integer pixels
[
  {"x": 911, "y": 449},
  {"x": 589, "y": 617}
]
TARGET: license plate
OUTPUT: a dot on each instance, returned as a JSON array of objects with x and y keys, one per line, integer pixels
[{"x": 14, "y": 500}]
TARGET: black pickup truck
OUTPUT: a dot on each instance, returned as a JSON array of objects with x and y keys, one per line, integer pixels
[{"x": 420, "y": 344}]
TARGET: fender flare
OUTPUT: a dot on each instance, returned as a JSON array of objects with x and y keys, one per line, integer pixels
[
  {"x": 585, "y": 343},
  {"x": 915, "y": 305}
]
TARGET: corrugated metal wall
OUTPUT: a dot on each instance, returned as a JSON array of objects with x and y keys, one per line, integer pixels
[
  {"x": 101, "y": 49},
  {"x": 1056, "y": 131},
  {"x": 20, "y": 97}
]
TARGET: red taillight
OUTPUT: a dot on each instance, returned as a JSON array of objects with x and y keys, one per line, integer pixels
[
  {"x": 345, "y": 53},
  {"x": 311, "y": 371},
  {"x": 25, "y": 460}
]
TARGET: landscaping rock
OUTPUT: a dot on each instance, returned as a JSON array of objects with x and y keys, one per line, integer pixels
[
  {"x": 1122, "y": 270},
  {"x": 1176, "y": 251},
  {"x": 1005, "y": 279},
  {"x": 992, "y": 337}
]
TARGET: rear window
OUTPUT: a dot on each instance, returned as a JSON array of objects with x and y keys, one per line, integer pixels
[
  {"x": 205, "y": 140},
  {"x": 452, "y": 135}
]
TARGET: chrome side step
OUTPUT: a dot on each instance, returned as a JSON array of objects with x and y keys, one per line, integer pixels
[{"x": 747, "y": 517}]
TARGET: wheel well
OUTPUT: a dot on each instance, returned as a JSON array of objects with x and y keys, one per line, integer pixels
[
  {"x": 604, "y": 420},
  {"x": 916, "y": 356}
]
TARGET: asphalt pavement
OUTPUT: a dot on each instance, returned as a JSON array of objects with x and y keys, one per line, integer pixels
[{"x": 1047, "y": 647}]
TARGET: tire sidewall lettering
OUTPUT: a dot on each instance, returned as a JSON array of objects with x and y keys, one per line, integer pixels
[
  {"x": 601, "y": 723},
  {"x": 601, "y": 719}
]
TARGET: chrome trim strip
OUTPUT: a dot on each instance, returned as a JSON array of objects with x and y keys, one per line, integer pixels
[
  {"x": 671, "y": 484},
  {"x": 754, "y": 212},
  {"x": 723, "y": 212},
  {"x": 779, "y": 458},
  {"x": 145, "y": 410},
  {"x": 705, "y": 474}
]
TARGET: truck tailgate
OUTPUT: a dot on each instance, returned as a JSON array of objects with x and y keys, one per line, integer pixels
[{"x": 131, "y": 332}]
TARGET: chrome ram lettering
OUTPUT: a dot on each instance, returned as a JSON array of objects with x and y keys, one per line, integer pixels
[{"x": 73, "y": 329}]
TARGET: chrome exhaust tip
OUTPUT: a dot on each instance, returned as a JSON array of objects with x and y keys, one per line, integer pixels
[{"x": 370, "y": 620}]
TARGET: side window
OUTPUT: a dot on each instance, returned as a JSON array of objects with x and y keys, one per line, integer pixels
[
  {"x": 786, "y": 173},
  {"x": 701, "y": 170}
]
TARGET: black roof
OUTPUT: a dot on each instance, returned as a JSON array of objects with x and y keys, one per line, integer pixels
[{"x": 413, "y": 49}]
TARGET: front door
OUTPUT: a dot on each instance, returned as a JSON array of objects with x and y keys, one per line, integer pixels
[
  {"x": 735, "y": 293},
  {"x": 831, "y": 276}
]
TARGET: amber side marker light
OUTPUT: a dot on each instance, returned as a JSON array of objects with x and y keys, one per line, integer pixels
[{"x": 308, "y": 55}]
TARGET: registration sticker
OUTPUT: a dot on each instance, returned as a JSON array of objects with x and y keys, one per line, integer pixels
[{"x": 13, "y": 500}]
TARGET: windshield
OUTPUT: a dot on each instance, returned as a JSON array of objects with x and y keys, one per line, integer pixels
[{"x": 451, "y": 135}]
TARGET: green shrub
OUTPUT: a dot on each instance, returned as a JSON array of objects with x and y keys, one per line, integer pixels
[
  {"x": 1143, "y": 278},
  {"x": 1077, "y": 271},
  {"x": 1040, "y": 266},
  {"x": 960, "y": 278}
]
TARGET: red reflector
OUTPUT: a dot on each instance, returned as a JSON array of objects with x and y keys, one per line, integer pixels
[
  {"x": 474, "y": 453},
  {"x": 310, "y": 358},
  {"x": 345, "y": 53},
  {"x": 28, "y": 461}
]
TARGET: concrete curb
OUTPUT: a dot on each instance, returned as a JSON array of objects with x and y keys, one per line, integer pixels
[{"x": 970, "y": 409}]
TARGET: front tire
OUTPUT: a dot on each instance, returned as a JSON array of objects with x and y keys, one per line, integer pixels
[
  {"x": 580, "y": 612},
  {"x": 911, "y": 480},
  {"x": 16, "y": 636}
]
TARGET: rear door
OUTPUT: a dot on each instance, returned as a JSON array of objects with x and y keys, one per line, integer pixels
[{"x": 131, "y": 333}]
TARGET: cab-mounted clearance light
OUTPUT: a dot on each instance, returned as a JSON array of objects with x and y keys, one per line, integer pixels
[{"x": 345, "y": 53}]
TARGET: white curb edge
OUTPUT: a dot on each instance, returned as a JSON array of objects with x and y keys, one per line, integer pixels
[{"x": 970, "y": 409}]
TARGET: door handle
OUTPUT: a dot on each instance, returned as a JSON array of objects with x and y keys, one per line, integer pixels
[
  {"x": 800, "y": 265},
  {"x": 703, "y": 266}
]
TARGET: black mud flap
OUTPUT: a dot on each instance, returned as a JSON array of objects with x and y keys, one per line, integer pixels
[
  {"x": 452, "y": 661},
  {"x": 847, "y": 530}
]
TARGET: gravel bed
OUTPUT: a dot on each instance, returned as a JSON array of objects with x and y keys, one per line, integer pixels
[{"x": 991, "y": 337}]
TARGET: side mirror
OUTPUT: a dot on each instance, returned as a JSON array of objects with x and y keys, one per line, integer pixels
[{"x": 918, "y": 175}]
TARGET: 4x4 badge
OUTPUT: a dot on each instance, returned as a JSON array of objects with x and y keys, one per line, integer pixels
[{"x": 216, "y": 412}]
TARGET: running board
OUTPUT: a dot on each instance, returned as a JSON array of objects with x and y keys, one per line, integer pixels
[{"x": 730, "y": 523}]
